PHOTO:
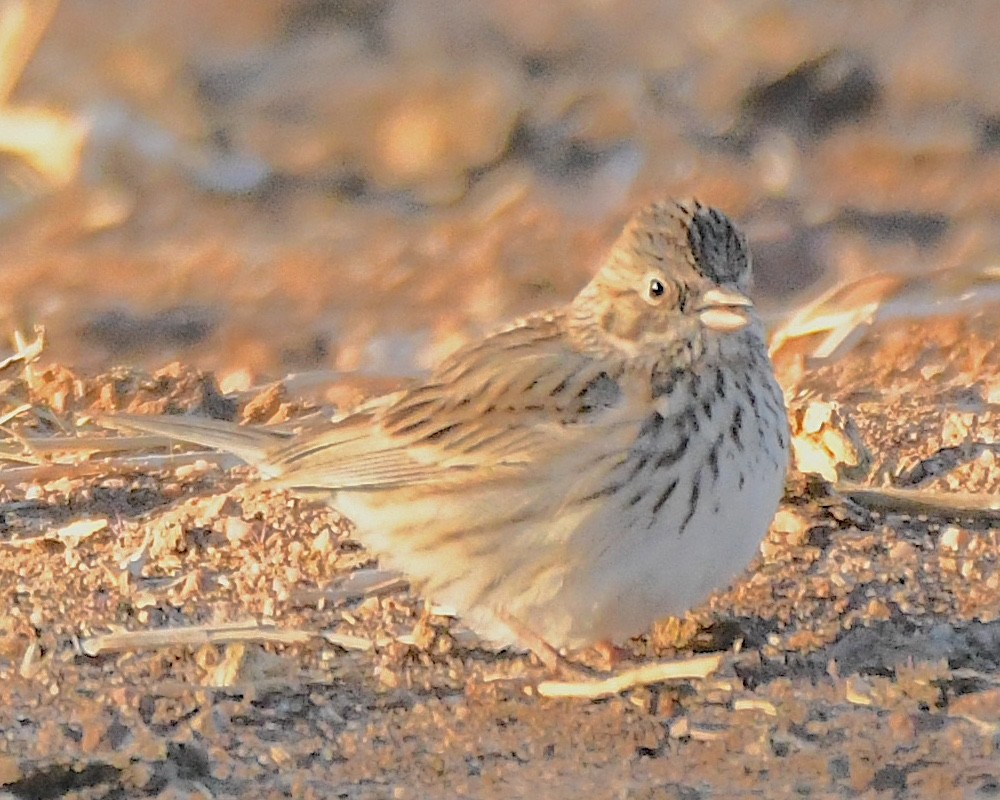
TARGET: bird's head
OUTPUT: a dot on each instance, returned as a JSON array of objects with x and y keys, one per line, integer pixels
[{"x": 679, "y": 272}]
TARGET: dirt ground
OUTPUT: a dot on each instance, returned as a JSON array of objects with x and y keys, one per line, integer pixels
[
  {"x": 270, "y": 211},
  {"x": 861, "y": 651}
]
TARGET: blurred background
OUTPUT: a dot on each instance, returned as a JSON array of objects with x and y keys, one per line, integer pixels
[{"x": 258, "y": 187}]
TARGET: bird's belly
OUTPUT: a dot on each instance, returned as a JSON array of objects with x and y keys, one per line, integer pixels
[{"x": 654, "y": 565}]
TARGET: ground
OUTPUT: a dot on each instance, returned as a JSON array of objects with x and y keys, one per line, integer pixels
[
  {"x": 267, "y": 212},
  {"x": 860, "y": 650}
]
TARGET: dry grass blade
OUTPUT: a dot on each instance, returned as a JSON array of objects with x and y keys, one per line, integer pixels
[
  {"x": 22, "y": 25},
  {"x": 84, "y": 469},
  {"x": 24, "y": 351},
  {"x": 755, "y": 704},
  {"x": 846, "y": 311},
  {"x": 359, "y": 584},
  {"x": 196, "y": 635},
  {"x": 975, "y": 505},
  {"x": 89, "y": 446},
  {"x": 842, "y": 313},
  {"x": 14, "y": 413},
  {"x": 699, "y": 667}
]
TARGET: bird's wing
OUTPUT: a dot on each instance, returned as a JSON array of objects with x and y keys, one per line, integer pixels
[
  {"x": 515, "y": 399},
  {"x": 350, "y": 453},
  {"x": 521, "y": 396}
]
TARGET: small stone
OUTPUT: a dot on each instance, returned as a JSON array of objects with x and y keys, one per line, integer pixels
[
  {"x": 236, "y": 530},
  {"x": 953, "y": 538},
  {"x": 877, "y": 610},
  {"x": 322, "y": 543},
  {"x": 901, "y": 726},
  {"x": 956, "y": 429},
  {"x": 902, "y": 552},
  {"x": 388, "y": 678},
  {"x": 816, "y": 416},
  {"x": 791, "y": 523}
]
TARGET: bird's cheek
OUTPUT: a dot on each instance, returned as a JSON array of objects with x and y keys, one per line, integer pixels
[{"x": 622, "y": 323}]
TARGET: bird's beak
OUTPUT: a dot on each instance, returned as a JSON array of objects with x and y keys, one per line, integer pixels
[{"x": 724, "y": 310}]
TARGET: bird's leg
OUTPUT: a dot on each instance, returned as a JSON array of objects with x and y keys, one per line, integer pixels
[{"x": 551, "y": 658}]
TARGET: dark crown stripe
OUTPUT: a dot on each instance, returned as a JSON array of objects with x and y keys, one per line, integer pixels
[{"x": 717, "y": 248}]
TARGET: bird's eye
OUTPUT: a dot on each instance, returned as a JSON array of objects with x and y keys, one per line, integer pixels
[{"x": 656, "y": 290}]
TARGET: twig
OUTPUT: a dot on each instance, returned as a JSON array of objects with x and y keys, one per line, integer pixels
[
  {"x": 69, "y": 534},
  {"x": 975, "y": 505},
  {"x": 348, "y": 642},
  {"x": 699, "y": 667},
  {"x": 14, "y": 412}
]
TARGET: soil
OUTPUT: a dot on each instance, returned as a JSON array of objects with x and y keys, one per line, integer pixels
[{"x": 861, "y": 650}]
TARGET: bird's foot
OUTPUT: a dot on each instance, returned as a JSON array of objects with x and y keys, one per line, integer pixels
[{"x": 554, "y": 661}]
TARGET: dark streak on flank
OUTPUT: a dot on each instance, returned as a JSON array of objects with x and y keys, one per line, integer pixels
[
  {"x": 636, "y": 498},
  {"x": 662, "y": 499},
  {"x": 736, "y": 428},
  {"x": 690, "y": 419},
  {"x": 692, "y": 500},
  {"x": 608, "y": 491},
  {"x": 664, "y": 383},
  {"x": 713, "y": 457},
  {"x": 638, "y": 465},
  {"x": 670, "y": 457},
  {"x": 651, "y": 427},
  {"x": 600, "y": 392}
]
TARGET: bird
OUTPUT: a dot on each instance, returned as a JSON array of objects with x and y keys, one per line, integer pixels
[{"x": 580, "y": 473}]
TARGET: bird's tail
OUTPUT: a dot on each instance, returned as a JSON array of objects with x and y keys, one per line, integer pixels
[{"x": 247, "y": 443}]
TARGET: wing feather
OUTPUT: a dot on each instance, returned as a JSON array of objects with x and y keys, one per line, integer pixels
[{"x": 517, "y": 397}]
